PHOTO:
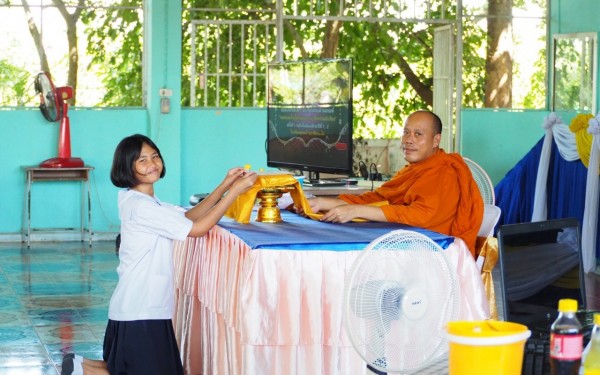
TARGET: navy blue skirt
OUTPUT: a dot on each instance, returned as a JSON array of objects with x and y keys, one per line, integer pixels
[{"x": 141, "y": 347}]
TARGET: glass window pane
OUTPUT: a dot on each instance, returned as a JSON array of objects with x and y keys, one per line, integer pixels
[{"x": 106, "y": 51}]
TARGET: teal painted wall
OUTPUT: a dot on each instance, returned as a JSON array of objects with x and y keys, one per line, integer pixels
[
  {"x": 215, "y": 141},
  {"x": 573, "y": 16},
  {"x": 29, "y": 139},
  {"x": 498, "y": 139},
  {"x": 162, "y": 68}
]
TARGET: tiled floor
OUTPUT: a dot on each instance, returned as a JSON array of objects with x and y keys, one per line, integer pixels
[{"x": 53, "y": 299}]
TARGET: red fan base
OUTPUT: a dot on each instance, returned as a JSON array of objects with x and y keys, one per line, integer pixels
[
  {"x": 64, "y": 159},
  {"x": 62, "y": 163}
]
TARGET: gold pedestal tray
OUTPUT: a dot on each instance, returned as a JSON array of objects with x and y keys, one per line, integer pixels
[{"x": 269, "y": 211}]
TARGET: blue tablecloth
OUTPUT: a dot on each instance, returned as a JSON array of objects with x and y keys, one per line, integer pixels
[{"x": 300, "y": 233}]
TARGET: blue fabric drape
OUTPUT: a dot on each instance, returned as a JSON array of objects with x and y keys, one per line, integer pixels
[
  {"x": 565, "y": 188},
  {"x": 300, "y": 233}
]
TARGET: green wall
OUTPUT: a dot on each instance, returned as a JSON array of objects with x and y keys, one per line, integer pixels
[
  {"x": 498, "y": 139},
  {"x": 215, "y": 141},
  {"x": 573, "y": 16},
  {"x": 28, "y": 139},
  {"x": 212, "y": 142}
]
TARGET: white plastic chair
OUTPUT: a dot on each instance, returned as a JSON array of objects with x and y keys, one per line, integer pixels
[
  {"x": 486, "y": 188},
  {"x": 491, "y": 215}
]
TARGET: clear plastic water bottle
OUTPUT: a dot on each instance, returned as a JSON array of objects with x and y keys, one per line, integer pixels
[
  {"x": 591, "y": 356},
  {"x": 566, "y": 340}
]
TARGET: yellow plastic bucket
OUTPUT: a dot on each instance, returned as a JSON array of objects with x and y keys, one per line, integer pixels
[{"x": 486, "y": 347}]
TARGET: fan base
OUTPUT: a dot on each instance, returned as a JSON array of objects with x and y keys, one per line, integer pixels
[{"x": 62, "y": 163}]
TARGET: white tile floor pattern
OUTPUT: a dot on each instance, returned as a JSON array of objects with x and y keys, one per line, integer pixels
[{"x": 53, "y": 299}]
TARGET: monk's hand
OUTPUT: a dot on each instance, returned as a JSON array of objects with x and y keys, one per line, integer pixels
[
  {"x": 340, "y": 214},
  {"x": 315, "y": 204},
  {"x": 312, "y": 202},
  {"x": 298, "y": 210}
]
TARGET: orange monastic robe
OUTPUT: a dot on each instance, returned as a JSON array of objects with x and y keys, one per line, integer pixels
[{"x": 438, "y": 193}]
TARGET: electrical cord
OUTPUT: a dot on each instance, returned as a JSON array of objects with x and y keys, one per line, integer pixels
[
  {"x": 373, "y": 175},
  {"x": 362, "y": 167}
]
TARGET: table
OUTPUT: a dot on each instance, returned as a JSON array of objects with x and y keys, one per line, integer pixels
[
  {"x": 258, "y": 306},
  {"x": 40, "y": 174}
]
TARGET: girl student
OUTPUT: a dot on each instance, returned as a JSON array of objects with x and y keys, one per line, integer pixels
[{"x": 139, "y": 338}]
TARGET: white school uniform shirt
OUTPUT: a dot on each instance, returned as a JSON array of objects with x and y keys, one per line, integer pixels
[{"x": 148, "y": 227}]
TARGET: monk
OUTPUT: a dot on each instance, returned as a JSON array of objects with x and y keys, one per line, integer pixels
[{"x": 435, "y": 190}]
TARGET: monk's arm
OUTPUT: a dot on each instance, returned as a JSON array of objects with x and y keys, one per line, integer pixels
[
  {"x": 364, "y": 198},
  {"x": 431, "y": 201},
  {"x": 320, "y": 204},
  {"x": 346, "y": 212}
]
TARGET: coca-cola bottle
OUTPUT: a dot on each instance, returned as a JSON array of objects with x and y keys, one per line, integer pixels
[{"x": 566, "y": 340}]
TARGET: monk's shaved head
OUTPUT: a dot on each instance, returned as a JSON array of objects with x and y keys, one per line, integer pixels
[
  {"x": 421, "y": 136},
  {"x": 436, "y": 122}
]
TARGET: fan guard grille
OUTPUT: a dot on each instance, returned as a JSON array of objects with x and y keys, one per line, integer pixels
[
  {"x": 400, "y": 293},
  {"x": 483, "y": 181}
]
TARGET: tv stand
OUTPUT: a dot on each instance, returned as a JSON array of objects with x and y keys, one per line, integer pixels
[
  {"x": 313, "y": 176},
  {"x": 333, "y": 191},
  {"x": 315, "y": 181},
  {"x": 325, "y": 183}
]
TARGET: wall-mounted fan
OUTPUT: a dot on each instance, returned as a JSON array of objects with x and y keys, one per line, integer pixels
[
  {"x": 54, "y": 107},
  {"x": 400, "y": 293}
]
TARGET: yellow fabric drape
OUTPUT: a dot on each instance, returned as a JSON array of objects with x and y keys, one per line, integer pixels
[
  {"x": 583, "y": 139},
  {"x": 241, "y": 209},
  {"x": 488, "y": 248}
]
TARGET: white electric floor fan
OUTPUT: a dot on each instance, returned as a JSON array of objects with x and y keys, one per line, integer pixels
[{"x": 399, "y": 295}]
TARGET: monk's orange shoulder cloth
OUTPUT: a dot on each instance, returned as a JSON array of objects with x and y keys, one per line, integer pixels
[{"x": 438, "y": 194}]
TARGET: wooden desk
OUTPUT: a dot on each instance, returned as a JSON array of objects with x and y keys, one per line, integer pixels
[{"x": 39, "y": 174}]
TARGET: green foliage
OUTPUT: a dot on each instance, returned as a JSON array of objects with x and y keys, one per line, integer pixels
[
  {"x": 14, "y": 85},
  {"x": 523, "y": 3},
  {"x": 473, "y": 79},
  {"x": 236, "y": 82},
  {"x": 572, "y": 75},
  {"x": 384, "y": 55},
  {"x": 120, "y": 69},
  {"x": 536, "y": 97},
  {"x": 380, "y": 54}
]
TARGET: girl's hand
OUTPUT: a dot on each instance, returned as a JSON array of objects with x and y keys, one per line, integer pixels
[
  {"x": 232, "y": 175},
  {"x": 243, "y": 183}
]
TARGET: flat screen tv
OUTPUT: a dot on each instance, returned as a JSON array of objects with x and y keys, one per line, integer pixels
[{"x": 309, "y": 115}]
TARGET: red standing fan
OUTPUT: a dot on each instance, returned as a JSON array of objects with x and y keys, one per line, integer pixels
[{"x": 54, "y": 107}]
